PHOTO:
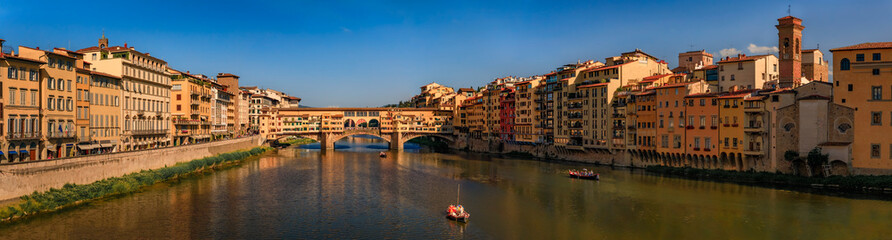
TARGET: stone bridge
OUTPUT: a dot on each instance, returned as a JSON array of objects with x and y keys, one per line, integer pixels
[{"x": 328, "y": 125}]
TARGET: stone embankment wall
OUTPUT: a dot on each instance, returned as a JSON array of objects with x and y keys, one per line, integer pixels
[
  {"x": 18, "y": 179},
  {"x": 616, "y": 158}
]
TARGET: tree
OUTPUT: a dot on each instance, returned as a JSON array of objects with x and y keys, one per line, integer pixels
[{"x": 815, "y": 158}]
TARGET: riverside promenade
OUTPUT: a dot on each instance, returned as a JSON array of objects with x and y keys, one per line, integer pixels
[{"x": 23, "y": 178}]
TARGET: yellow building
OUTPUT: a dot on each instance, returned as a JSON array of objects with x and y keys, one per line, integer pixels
[
  {"x": 731, "y": 132},
  {"x": 861, "y": 75},
  {"x": 526, "y": 111},
  {"x": 105, "y": 113},
  {"x": 747, "y": 72},
  {"x": 190, "y": 108},
  {"x": 145, "y": 98},
  {"x": 21, "y": 115},
  {"x": 58, "y": 93}
]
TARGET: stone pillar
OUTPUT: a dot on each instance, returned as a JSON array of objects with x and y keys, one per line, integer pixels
[
  {"x": 396, "y": 141},
  {"x": 326, "y": 141}
]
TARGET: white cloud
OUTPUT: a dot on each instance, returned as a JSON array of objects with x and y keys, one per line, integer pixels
[
  {"x": 346, "y": 30},
  {"x": 727, "y": 52},
  {"x": 761, "y": 49}
]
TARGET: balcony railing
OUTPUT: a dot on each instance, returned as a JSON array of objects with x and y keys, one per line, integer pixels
[
  {"x": 22, "y": 136},
  {"x": 148, "y": 132},
  {"x": 186, "y": 121},
  {"x": 56, "y": 134}
]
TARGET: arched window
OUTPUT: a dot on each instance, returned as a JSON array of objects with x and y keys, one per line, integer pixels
[
  {"x": 844, "y": 64},
  {"x": 844, "y": 127},
  {"x": 788, "y": 127}
]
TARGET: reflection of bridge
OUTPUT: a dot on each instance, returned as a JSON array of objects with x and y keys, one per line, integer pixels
[{"x": 328, "y": 125}]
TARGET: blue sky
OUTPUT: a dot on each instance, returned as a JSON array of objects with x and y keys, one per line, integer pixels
[{"x": 370, "y": 53}]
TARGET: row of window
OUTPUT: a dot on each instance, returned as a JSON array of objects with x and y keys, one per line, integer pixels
[
  {"x": 845, "y": 64},
  {"x": 12, "y": 73},
  {"x": 22, "y": 100},
  {"x": 60, "y": 103}
]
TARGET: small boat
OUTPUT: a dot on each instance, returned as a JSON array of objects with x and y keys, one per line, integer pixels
[
  {"x": 457, "y": 212},
  {"x": 584, "y": 174},
  {"x": 382, "y": 154}
]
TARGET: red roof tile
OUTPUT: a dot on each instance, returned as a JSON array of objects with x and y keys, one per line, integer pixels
[
  {"x": 863, "y": 46},
  {"x": 654, "y": 78},
  {"x": 743, "y": 58},
  {"x": 593, "y": 85},
  {"x": 674, "y": 85}
]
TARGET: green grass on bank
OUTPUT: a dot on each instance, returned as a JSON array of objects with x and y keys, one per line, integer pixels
[
  {"x": 852, "y": 183},
  {"x": 298, "y": 141},
  {"x": 73, "y": 194}
]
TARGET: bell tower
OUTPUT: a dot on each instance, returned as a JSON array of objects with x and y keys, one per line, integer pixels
[
  {"x": 103, "y": 42},
  {"x": 789, "y": 37}
]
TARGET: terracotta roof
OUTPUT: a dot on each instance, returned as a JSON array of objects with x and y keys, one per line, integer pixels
[
  {"x": 679, "y": 69},
  {"x": 673, "y": 85},
  {"x": 466, "y": 90},
  {"x": 656, "y": 77},
  {"x": 565, "y": 79},
  {"x": 294, "y": 98},
  {"x": 787, "y": 17},
  {"x": 863, "y": 46},
  {"x": 755, "y": 98},
  {"x": 814, "y": 97},
  {"x": 227, "y": 75},
  {"x": 593, "y": 85},
  {"x": 23, "y": 59},
  {"x": 783, "y": 90},
  {"x": 645, "y": 93},
  {"x": 738, "y": 94},
  {"x": 89, "y": 49},
  {"x": 709, "y": 67},
  {"x": 809, "y": 50},
  {"x": 68, "y": 51},
  {"x": 606, "y": 67},
  {"x": 743, "y": 58},
  {"x": 699, "y": 95},
  {"x": 249, "y": 87}
]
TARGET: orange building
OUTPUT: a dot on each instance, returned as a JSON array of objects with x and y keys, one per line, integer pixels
[{"x": 702, "y": 129}]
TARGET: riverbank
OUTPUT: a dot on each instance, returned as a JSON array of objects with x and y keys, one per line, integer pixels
[
  {"x": 873, "y": 185},
  {"x": 861, "y": 186},
  {"x": 72, "y": 195},
  {"x": 432, "y": 143}
]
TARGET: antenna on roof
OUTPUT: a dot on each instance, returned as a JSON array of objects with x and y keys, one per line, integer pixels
[{"x": 789, "y": 7}]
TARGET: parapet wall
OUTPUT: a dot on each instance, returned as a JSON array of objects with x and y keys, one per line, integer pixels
[{"x": 18, "y": 179}]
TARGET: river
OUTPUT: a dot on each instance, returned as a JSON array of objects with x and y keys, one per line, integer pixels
[{"x": 352, "y": 193}]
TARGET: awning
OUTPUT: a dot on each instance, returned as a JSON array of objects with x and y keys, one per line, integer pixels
[
  {"x": 23, "y": 151},
  {"x": 13, "y": 152},
  {"x": 1, "y": 152},
  {"x": 105, "y": 145},
  {"x": 88, "y": 146}
]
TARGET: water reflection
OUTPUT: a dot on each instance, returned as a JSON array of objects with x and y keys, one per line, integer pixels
[{"x": 352, "y": 193}]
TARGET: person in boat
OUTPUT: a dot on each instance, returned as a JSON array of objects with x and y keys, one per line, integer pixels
[{"x": 451, "y": 209}]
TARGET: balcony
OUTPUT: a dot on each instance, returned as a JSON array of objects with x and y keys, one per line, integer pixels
[
  {"x": 752, "y": 109},
  {"x": 755, "y": 151},
  {"x": 186, "y": 121},
  {"x": 148, "y": 132},
  {"x": 23, "y": 136},
  {"x": 619, "y": 115},
  {"x": 56, "y": 134},
  {"x": 619, "y": 126},
  {"x": 575, "y": 126},
  {"x": 574, "y": 106},
  {"x": 574, "y": 116}
]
